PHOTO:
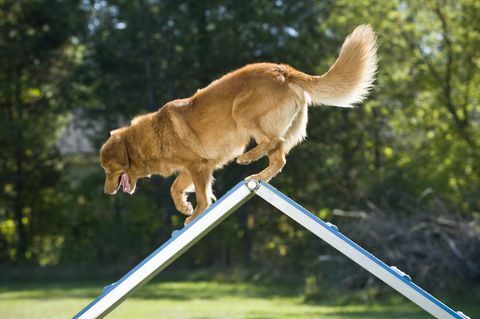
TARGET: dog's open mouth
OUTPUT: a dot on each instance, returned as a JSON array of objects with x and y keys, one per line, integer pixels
[{"x": 125, "y": 183}]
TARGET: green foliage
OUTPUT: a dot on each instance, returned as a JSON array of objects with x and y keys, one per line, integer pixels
[
  {"x": 424, "y": 114},
  {"x": 412, "y": 148},
  {"x": 35, "y": 64}
]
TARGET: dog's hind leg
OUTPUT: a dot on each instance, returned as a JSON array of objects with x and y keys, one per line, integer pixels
[
  {"x": 265, "y": 137},
  {"x": 294, "y": 135},
  {"x": 266, "y": 121},
  {"x": 276, "y": 159},
  {"x": 182, "y": 184},
  {"x": 297, "y": 132},
  {"x": 264, "y": 145}
]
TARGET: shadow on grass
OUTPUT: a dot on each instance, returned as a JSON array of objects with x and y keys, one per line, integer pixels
[
  {"x": 152, "y": 291},
  {"x": 376, "y": 314},
  {"x": 348, "y": 314}
]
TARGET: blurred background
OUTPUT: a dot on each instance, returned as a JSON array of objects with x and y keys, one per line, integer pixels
[{"x": 399, "y": 174}]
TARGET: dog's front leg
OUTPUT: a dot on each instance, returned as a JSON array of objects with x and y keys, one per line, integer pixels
[
  {"x": 202, "y": 179},
  {"x": 182, "y": 184}
]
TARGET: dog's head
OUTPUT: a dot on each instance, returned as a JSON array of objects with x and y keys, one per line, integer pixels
[{"x": 116, "y": 163}]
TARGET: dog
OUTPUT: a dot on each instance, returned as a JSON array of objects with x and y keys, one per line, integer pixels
[{"x": 266, "y": 102}]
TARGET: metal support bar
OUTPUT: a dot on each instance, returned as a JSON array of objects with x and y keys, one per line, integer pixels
[
  {"x": 183, "y": 239},
  {"x": 330, "y": 233}
]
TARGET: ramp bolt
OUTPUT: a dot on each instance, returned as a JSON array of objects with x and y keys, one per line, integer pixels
[
  {"x": 401, "y": 273},
  {"x": 461, "y": 314},
  {"x": 252, "y": 184},
  {"x": 333, "y": 226}
]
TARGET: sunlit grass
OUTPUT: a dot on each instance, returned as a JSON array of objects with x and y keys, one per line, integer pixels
[{"x": 196, "y": 300}]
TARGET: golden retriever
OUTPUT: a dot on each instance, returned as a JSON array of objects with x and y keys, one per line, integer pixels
[{"x": 264, "y": 101}]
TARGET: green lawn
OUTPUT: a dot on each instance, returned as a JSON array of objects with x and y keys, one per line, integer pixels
[{"x": 183, "y": 300}]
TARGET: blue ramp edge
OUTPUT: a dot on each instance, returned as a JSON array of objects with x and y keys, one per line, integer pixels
[
  {"x": 107, "y": 289},
  {"x": 333, "y": 229}
]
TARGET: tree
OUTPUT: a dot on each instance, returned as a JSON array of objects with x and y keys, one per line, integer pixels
[{"x": 38, "y": 53}]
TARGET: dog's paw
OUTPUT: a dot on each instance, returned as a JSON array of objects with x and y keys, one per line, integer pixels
[
  {"x": 243, "y": 160},
  {"x": 186, "y": 209},
  {"x": 188, "y": 220}
]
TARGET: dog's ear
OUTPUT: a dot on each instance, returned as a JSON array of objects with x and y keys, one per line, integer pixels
[
  {"x": 122, "y": 153},
  {"x": 115, "y": 150}
]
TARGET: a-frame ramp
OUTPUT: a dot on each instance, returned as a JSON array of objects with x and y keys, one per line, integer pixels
[{"x": 183, "y": 239}]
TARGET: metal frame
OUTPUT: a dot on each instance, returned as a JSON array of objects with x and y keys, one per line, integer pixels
[
  {"x": 183, "y": 239},
  {"x": 391, "y": 275}
]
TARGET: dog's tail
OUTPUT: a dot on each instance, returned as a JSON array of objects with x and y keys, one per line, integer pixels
[{"x": 350, "y": 78}]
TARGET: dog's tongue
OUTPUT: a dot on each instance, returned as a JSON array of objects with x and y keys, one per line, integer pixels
[{"x": 125, "y": 183}]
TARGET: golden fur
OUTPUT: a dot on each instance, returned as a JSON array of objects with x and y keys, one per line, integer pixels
[{"x": 264, "y": 101}]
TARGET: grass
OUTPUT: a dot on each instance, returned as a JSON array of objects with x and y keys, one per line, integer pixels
[{"x": 196, "y": 300}]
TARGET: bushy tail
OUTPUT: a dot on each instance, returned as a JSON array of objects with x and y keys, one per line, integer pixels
[{"x": 350, "y": 78}]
